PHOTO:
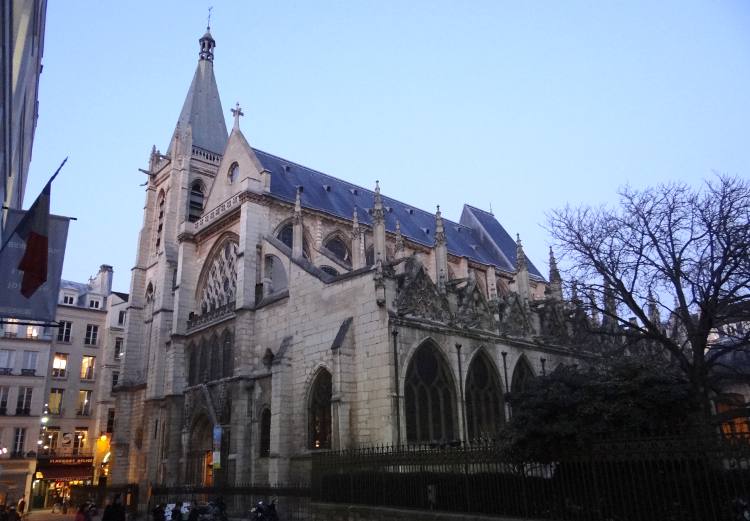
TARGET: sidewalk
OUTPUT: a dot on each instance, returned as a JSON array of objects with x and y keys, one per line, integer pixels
[{"x": 47, "y": 515}]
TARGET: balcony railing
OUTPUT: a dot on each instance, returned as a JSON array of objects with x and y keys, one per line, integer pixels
[
  {"x": 28, "y": 372},
  {"x": 66, "y": 452},
  {"x": 6, "y": 371},
  {"x": 23, "y": 411},
  {"x": 210, "y": 316}
]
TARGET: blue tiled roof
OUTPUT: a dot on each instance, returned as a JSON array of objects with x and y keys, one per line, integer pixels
[
  {"x": 338, "y": 198},
  {"x": 501, "y": 237}
]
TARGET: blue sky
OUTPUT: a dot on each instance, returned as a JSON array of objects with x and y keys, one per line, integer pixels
[{"x": 525, "y": 106}]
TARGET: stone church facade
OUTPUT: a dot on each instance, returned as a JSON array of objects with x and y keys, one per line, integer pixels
[{"x": 276, "y": 311}]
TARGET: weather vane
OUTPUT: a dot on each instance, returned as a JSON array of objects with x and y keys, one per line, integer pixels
[{"x": 208, "y": 24}]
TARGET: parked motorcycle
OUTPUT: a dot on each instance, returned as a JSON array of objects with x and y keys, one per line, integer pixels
[{"x": 264, "y": 512}]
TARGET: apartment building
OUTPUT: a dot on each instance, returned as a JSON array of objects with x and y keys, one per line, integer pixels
[{"x": 55, "y": 393}]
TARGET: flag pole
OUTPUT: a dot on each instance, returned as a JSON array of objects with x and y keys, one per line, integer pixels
[{"x": 7, "y": 238}]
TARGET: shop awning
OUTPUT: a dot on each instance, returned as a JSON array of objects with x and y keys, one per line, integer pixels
[{"x": 66, "y": 472}]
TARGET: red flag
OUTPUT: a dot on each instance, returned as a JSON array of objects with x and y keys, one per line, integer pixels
[{"x": 33, "y": 228}]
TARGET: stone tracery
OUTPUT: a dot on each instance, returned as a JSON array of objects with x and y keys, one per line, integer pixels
[{"x": 220, "y": 282}]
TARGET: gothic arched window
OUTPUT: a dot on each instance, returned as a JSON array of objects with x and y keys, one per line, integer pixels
[
  {"x": 320, "y": 411},
  {"x": 429, "y": 396},
  {"x": 227, "y": 352},
  {"x": 195, "y": 207},
  {"x": 215, "y": 358},
  {"x": 339, "y": 249},
  {"x": 192, "y": 370},
  {"x": 521, "y": 376},
  {"x": 219, "y": 281},
  {"x": 265, "y": 433},
  {"x": 233, "y": 173},
  {"x": 160, "y": 217},
  {"x": 286, "y": 235},
  {"x": 484, "y": 399},
  {"x": 203, "y": 366}
]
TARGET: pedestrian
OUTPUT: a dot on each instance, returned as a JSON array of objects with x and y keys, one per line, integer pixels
[
  {"x": 21, "y": 506},
  {"x": 158, "y": 512},
  {"x": 81, "y": 513},
  {"x": 114, "y": 511},
  {"x": 176, "y": 512}
]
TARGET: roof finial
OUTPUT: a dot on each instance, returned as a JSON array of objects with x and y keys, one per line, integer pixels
[
  {"x": 208, "y": 23},
  {"x": 520, "y": 255},
  {"x": 237, "y": 112},
  {"x": 491, "y": 209}
]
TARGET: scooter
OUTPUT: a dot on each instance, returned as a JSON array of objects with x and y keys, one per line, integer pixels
[{"x": 264, "y": 512}]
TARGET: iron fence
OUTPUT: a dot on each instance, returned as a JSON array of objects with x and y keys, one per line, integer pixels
[
  {"x": 292, "y": 501},
  {"x": 643, "y": 480}
]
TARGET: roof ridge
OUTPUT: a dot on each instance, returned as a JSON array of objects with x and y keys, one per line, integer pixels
[{"x": 369, "y": 191}]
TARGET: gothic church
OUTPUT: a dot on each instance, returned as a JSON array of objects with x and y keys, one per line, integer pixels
[{"x": 276, "y": 311}]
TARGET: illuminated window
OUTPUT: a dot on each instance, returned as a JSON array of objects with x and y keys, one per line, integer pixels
[
  {"x": 59, "y": 365},
  {"x": 84, "y": 403},
  {"x": 55, "y": 401},
  {"x": 80, "y": 439},
  {"x": 87, "y": 368}
]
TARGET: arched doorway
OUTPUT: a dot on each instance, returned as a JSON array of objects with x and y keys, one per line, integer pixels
[
  {"x": 484, "y": 398},
  {"x": 200, "y": 453},
  {"x": 429, "y": 397}
]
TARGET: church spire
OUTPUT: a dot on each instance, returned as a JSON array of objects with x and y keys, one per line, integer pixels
[
  {"x": 378, "y": 225},
  {"x": 555, "y": 280},
  {"x": 522, "y": 271},
  {"x": 202, "y": 111},
  {"x": 441, "y": 252}
]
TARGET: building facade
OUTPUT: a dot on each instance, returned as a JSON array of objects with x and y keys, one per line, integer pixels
[
  {"x": 275, "y": 311},
  {"x": 56, "y": 406},
  {"x": 24, "y": 364},
  {"x": 21, "y": 43}
]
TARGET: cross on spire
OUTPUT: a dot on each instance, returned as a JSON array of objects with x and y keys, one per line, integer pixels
[{"x": 237, "y": 112}]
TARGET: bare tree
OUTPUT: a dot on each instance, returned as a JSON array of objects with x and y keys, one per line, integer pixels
[{"x": 675, "y": 258}]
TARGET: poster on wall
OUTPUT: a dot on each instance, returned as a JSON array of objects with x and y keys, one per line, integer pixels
[{"x": 217, "y": 447}]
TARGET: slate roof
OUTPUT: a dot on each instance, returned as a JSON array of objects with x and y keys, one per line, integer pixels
[
  {"x": 79, "y": 287},
  {"x": 124, "y": 296},
  {"x": 202, "y": 111},
  {"x": 336, "y": 197}
]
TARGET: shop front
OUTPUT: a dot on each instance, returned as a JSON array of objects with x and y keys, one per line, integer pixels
[{"x": 55, "y": 475}]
